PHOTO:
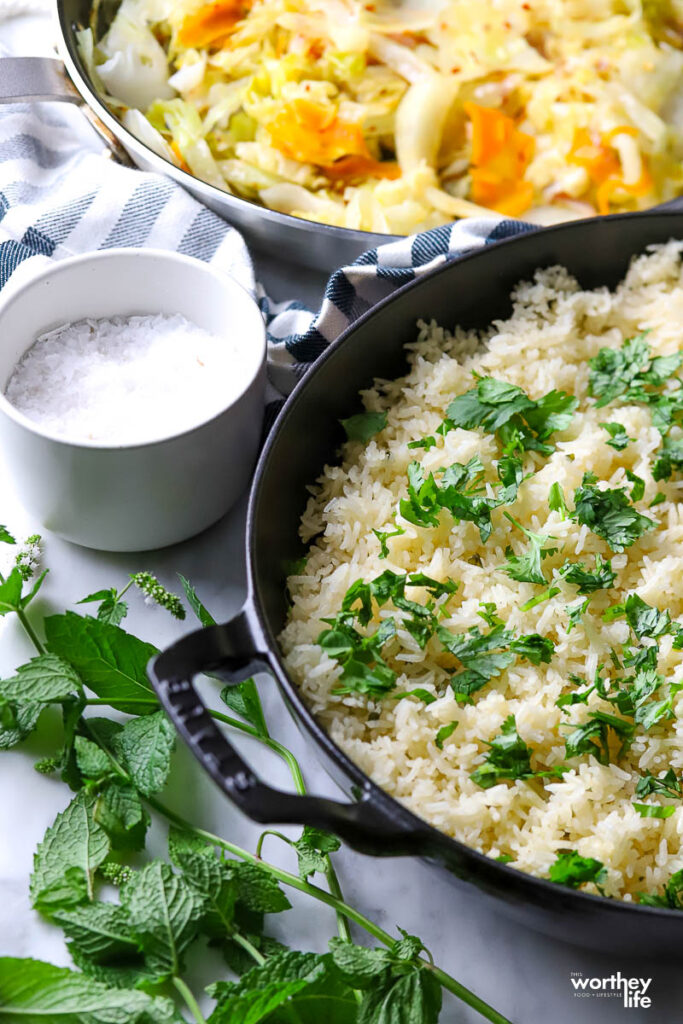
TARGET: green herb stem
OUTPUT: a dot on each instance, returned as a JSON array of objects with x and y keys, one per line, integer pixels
[
  {"x": 300, "y": 786},
  {"x": 269, "y": 742},
  {"x": 30, "y": 632},
  {"x": 447, "y": 982},
  {"x": 248, "y": 948},
  {"x": 189, "y": 999}
]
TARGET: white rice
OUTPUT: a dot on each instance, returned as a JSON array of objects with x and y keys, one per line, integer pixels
[{"x": 555, "y": 328}]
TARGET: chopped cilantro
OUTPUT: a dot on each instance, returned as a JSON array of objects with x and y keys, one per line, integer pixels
[
  {"x": 572, "y": 870},
  {"x": 638, "y": 489},
  {"x": 556, "y": 501},
  {"x": 363, "y": 668},
  {"x": 424, "y": 442},
  {"x": 618, "y": 435},
  {"x": 609, "y": 514},
  {"x": 485, "y": 655},
  {"x": 575, "y": 613},
  {"x": 424, "y": 695},
  {"x": 545, "y": 595},
  {"x": 587, "y": 581},
  {"x": 654, "y": 810},
  {"x": 508, "y": 758},
  {"x": 364, "y": 425},
  {"x": 488, "y": 612},
  {"x": 668, "y": 784},
  {"x": 645, "y": 620},
  {"x": 599, "y": 686},
  {"x": 669, "y": 458},
  {"x": 383, "y": 536},
  {"x": 444, "y": 732},
  {"x": 614, "y": 371},
  {"x": 526, "y": 568},
  {"x": 435, "y": 588},
  {"x": 672, "y": 897},
  {"x": 657, "y": 500},
  {"x": 593, "y": 736},
  {"x": 505, "y": 858},
  {"x": 456, "y": 491},
  {"x": 505, "y": 409}
]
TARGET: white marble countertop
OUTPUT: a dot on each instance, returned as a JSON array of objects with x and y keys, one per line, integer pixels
[{"x": 524, "y": 975}]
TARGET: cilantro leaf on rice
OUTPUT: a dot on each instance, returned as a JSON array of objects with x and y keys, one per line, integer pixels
[{"x": 573, "y": 870}]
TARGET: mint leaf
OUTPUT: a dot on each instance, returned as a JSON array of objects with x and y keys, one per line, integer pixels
[
  {"x": 91, "y": 761},
  {"x": 144, "y": 747},
  {"x": 204, "y": 616},
  {"x": 357, "y": 964},
  {"x": 402, "y": 998},
  {"x": 302, "y": 985},
  {"x": 17, "y": 721},
  {"x": 312, "y": 848},
  {"x": 44, "y": 680},
  {"x": 572, "y": 870},
  {"x": 65, "y": 862},
  {"x": 5, "y": 536},
  {"x": 32, "y": 991},
  {"x": 258, "y": 890},
  {"x": 163, "y": 912},
  {"x": 111, "y": 609},
  {"x": 609, "y": 514},
  {"x": 110, "y": 662},
  {"x": 243, "y": 698},
  {"x": 98, "y": 931},
  {"x": 364, "y": 425},
  {"x": 120, "y": 812},
  {"x": 10, "y": 593}
]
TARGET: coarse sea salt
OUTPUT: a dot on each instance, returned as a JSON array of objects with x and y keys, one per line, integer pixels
[{"x": 127, "y": 380}]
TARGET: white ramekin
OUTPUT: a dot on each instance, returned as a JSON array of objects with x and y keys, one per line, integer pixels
[{"x": 132, "y": 497}]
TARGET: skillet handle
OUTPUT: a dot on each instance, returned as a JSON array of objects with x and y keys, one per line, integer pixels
[
  {"x": 41, "y": 79},
  {"x": 230, "y": 652}
]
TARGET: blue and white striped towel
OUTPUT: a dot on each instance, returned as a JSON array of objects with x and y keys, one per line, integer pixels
[{"x": 59, "y": 195}]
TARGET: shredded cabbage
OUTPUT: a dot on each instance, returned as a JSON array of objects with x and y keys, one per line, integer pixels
[{"x": 396, "y": 118}]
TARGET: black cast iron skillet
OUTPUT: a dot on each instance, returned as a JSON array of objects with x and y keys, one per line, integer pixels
[{"x": 471, "y": 291}]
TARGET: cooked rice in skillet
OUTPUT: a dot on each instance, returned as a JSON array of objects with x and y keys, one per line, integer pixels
[{"x": 555, "y": 328}]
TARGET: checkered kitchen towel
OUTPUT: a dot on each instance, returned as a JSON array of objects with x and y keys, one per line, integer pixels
[{"x": 59, "y": 195}]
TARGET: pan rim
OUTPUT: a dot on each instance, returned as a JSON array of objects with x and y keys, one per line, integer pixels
[{"x": 521, "y": 881}]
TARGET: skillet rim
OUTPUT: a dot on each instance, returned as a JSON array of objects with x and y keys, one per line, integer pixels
[{"x": 517, "y": 879}]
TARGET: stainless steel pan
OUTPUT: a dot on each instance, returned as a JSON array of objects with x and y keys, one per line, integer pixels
[{"x": 292, "y": 238}]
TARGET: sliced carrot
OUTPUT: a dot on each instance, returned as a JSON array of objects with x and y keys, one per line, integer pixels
[
  {"x": 313, "y": 133},
  {"x": 212, "y": 22},
  {"x": 599, "y": 158},
  {"x": 349, "y": 167},
  {"x": 500, "y": 157},
  {"x": 179, "y": 156}
]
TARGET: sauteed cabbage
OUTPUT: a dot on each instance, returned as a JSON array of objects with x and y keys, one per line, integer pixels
[{"x": 394, "y": 118}]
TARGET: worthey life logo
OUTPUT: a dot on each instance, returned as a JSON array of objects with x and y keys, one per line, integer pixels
[{"x": 633, "y": 991}]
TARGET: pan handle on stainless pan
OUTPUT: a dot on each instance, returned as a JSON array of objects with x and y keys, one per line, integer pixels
[
  {"x": 229, "y": 651},
  {"x": 41, "y": 79}
]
